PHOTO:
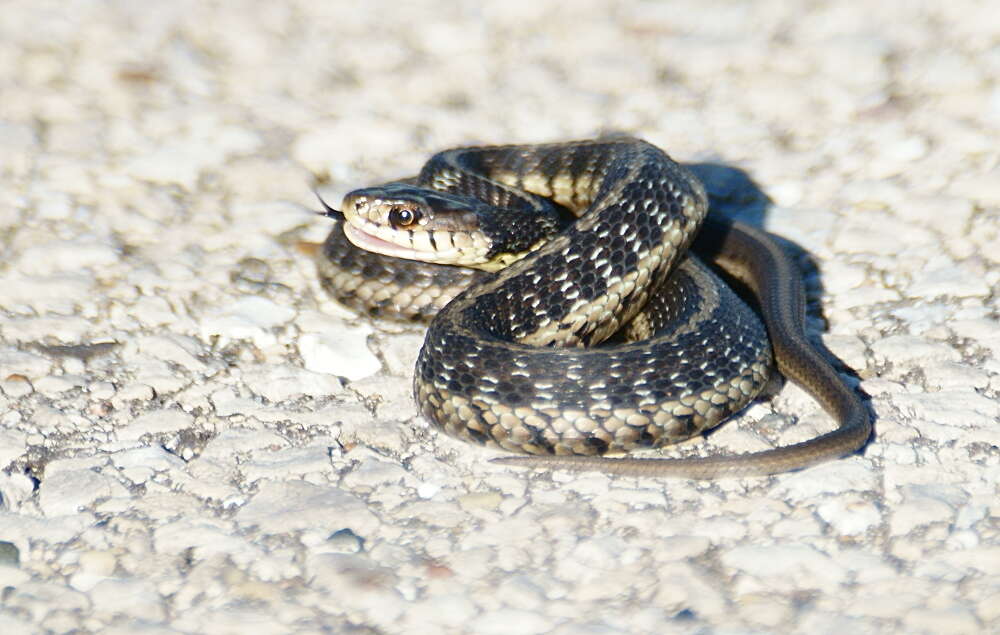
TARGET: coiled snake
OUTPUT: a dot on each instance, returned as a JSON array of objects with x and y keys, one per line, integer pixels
[{"x": 600, "y": 336}]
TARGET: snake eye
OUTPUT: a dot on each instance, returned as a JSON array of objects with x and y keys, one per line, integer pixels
[{"x": 403, "y": 217}]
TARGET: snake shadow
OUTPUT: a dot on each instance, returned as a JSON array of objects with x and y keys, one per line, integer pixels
[{"x": 734, "y": 195}]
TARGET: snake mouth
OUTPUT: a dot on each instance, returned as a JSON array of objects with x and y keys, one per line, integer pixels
[
  {"x": 364, "y": 240},
  {"x": 441, "y": 251}
]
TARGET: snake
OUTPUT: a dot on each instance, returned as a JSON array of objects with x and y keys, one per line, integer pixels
[{"x": 581, "y": 304}]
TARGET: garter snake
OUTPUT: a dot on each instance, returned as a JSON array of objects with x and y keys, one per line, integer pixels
[{"x": 593, "y": 335}]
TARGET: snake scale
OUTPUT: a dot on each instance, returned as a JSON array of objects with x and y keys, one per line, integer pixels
[{"x": 587, "y": 326}]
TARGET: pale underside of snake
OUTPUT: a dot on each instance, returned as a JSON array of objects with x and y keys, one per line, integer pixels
[{"x": 587, "y": 327}]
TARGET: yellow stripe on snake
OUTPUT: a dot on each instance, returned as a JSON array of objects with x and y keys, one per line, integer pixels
[{"x": 588, "y": 327}]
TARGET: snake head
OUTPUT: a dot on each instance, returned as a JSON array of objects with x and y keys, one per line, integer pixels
[{"x": 407, "y": 221}]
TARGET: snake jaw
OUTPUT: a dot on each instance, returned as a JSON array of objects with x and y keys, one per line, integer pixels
[{"x": 439, "y": 229}]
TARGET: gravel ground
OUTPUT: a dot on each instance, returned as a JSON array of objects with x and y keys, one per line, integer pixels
[{"x": 193, "y": 438}]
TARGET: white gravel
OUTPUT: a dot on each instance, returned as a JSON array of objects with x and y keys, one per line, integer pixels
[{"x": 193, "y": 438}]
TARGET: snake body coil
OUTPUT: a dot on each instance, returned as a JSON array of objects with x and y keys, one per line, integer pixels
[{"x": 519, "y": 359}]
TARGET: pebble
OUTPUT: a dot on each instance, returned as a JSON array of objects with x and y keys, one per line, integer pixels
[
  {"x": 917, "y": 510},
  {"x": 345, "y": 541},
  {"x": 27, "y": 364},
  {"x": 13, "y": 444},
  {"x": 343, "y": 353},
  {"x": 10, "y": 555},
  {"x": 66, "y": 492},
  {"x": 278, "y": 383},
  {"x": 284, "y": 506},
  {"x": 911, "y": 350},
  {"x": 203, "y": 540},
  {"x": 355, "y": 580},
  {"x": 446, "y": 612},
  {"x": 156, "y": 422},
  {"x": 507, "y": 620},
  {"x": 248, "y": 318},
  {"x": 955, "y": 408},
  {"x": 947, "y": 375},
  {"x": 47, "y": 294},
  {"x": 837, "y": 478},
  {"x": 372, "y": 473},
  {"x": 154, "y": 458},
  {"x": 785, "y": 567},
  {"x": 129, "y": 597},
  {"x": 175, "y": 349},
  {"x": 955, "y": 620},
  {"x": 53, "y": 385},
  {"x": 287, "y": 462},
  {"x": 68, "y": 256},
  {"x": 850, "y": 517},
  {"x": 948, "y": 281}
]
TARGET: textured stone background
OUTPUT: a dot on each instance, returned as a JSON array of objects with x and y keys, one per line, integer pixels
[{"x": 194, "y": 439}]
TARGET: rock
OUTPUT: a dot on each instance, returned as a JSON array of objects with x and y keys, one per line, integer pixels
[{"x": 284, "y": 506}]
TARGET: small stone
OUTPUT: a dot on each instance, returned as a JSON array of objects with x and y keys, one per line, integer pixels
[
  {"x": 356, "y": 580},
  {"x": 837, "y": 477},
  {"x": 446, "y": 612},
  {"x": 434, "y": 513},
  {"x": 15, "y": 489},
  {"x": 16, "y": 386},
  {"x": 14, "y": 362},
  {"x": 53, "y": 385},
  {"x": 231, "y": 442},
  {"x": 764, "y": 609},
  {"x": 138, "y": 392},
  {"x": 924, "y": 505},
  {"x": 154, "y": 458},
  {"x": 372, "y": 473},
  {"x": 53, "y": 293},
  {"x": 954, "y": 620},
  {"x": 345, "y": 541},
  {"x": 156, "y": 422},
  {"x": 283, "y": 382},
  {"x": 10, "y": 555},
  {"x": 683, "y": 547},
  {"x": 344, "y": 353},
  {"x": 950, "y": 281},
  {"x": 964, "y": 409},
  {"x": 287, "y": 462},
  {"x": 204, "y": 539},
  {"x": 786, "y": 567},
  {"x": 251, "y": 318},
  {"x": 175, "y": 349},
  {"x": 134, "y": 597},
  {"x": 103, "y": 390},
  {"x": 285, "y": 506},
  {"x": 65, "y": 492},
  {"x": 521, "y": 592},
  {"x": 946, "y": 375},
  {"x": 152, "y": 311},
  {"x": 509, "y": 620},
  {"x": 427, "y": 491},
  {"x": 12, "y": 577},
  {"x": 68, "y": 256},
  {"x": 988, "y": 609},
  {"x": 477, "y": 501},
  {"x": 226, "y": 403},
  {"x": 910, "y": 350},
  {"x": 12, "y": 445},
  {"x": 849, "y": 516}
]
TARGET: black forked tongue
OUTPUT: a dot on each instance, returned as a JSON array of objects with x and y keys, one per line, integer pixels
[{"x": 328, "y": 211}]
